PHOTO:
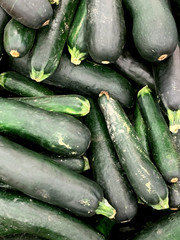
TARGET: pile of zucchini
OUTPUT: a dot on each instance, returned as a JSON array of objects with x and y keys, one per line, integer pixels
[{"x": 89, "y": 119}]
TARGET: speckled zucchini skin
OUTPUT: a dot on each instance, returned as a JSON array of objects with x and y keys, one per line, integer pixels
[
  {"x": 141, "y": 172},
  {"x": 154, "y": 28},
  {"x": 56, "y": 132},
  {"x": 32, "y": 14},
  {"x": 21, "y": 214},
  {"x": 18, "y": 39}
]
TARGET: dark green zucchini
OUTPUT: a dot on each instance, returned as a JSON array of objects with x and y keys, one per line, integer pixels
[
  {"x": 106, "y": 31},
  {"x": 20, "y": 65},
  {"x": 39, "y": 177},
  {"x": 175, "y": 7},
  {"x": 18, "y": 39},
  {"x": 22, "y": 86},
  {"x": 154, "y": 28},
  {"x": 32, "y": 14},
  {"x": 135, "y": 68},
  {"x": 72, "y": 104},
  {"x": 166, "y": 75},
  {"x": 4, "y": 18},
  {"x": 106, "y": 169},
  {"x": 166, "y": 228},
  {"x": 77, "y": 37},
  {"x": 140, "y": 128},
  {"x": 50, "y": 41},
  {"x": 20, "y": 214},
  {"x": 163, "y": 149},
  {"x": 145, "y": 179},
  {"x": 56, "y": 132},
  {"x": 174, "y": 196}
]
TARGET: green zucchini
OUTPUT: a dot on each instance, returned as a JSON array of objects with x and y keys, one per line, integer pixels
[
  {"x": 21, "y": 237},
  {"x": 145, "y": 179},
  {"x": 106, "y": 31},
  {"x": 39, "y": 177},
  {"x": 4, "y": 18},
  {"x": 18, "y": 39},
  {"x": 106, "y": 169},
  {"x": 77, "y": 36},
  {"x": 22, "y": 86},
  {"x": 50, "y": 41},
  {"x": 72, "y": 104},
  {"x": 154, "y": 28},
  {"x": 166, "y": 228},
  {"x": 20, "y": 65},
  {"x": 19, "y": 214},
  {"x": 33, "y": 14},
  {"x": 58, "y": 133},
  {"x": 140, "y": 128},
  {"x": 164, "y": 152},
  {"x": 174, "y": 196}
]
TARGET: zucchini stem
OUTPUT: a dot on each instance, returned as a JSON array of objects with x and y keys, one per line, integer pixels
[
  {"x": 106, "y": 209},
  {"x": 86, "y": 165},
  {"x": 174, "y": 120},
  {"x": 163, "y": 204}
]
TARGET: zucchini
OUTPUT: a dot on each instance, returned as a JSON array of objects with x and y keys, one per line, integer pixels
[
  {"x": 4, "y": 18},
  {"x": 106, "y": 30},
  {"x": 174, "y": 196},
  {"x": 175, "y": 7},
  {"x": 18, "y": 39},
  {"x": 106, "y": 169},
  {"x": 72, "y": 104},
  {"x": 58, "y": 133},
  {"x": 164, "y": 152},
  {"x": 167, "y": 81},
  {"x": 19, "y": 214},
  {"x": 77, "y": 37},
  {"x": 165, "y": 228},
  {"x": 50, "y": 182},
  {"x": 132, "y": 66},
  {"x": 20, "y": 65},
  {"x": 176, "y": 139},
  {"x": 50, "y": 41},
  {"x": 32, "y": 14},
  {"x": 22, "y": 86},
  {"x": 145, "y": 179},
  {"x": 154, "y": 28},
  {"x": 140, "y": 128},
  {"x": 21, "y": 237}
]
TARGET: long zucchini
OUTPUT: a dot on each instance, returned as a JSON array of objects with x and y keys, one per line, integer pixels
[{"x": 145, "y": 179}]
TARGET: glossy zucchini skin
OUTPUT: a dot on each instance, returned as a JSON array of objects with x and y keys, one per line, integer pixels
[
  {"x": 83, "y": 79},
  {"x": 18, "y": 39},
  {"x": 50, "y": 41},
  {"x": 48, "y": 181},
  {"x": 32, "y": 14},
  {"x": 106, "y": 169},
  {"x": 165, "y": 154},
  {"x": 167, "y": 81},
  {"x": 20, "y": 214},
  {"x": 154, "y": 28},
  {"x": 22, "y": 86},
  {"x": 72, "y": 104},
  {"x": 164, "y": 229},
  {"x": 65, "y": 135},
  {"x": 145, "y": 179},
  {"x": 77, "y": 45},
  {"x": 106, "y": 31},
  {"x": 132, "y": 66},
  {"x": 174, "y": 196},
  {"x": 4, "y": 18}
]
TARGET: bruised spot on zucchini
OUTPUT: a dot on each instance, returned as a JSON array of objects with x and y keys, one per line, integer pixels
[
  {"x": 162, "y": 57},
  {"x": 14, "y": 53}
]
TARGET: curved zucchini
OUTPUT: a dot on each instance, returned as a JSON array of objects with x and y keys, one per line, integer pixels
[
  {"x": 22, "y": 86},
  {"x": 145, "y": 179},
  {"x": 32, "y": 14},
  {"x": 135, "y": 68},
  {"x": 4, "y": 18},
  {"x": 72, "y": 104},
  {"x": 167, "y": 81},
  {"x": 50, "y": 41},
  {"x": 18, "y": 39},
  {"x": 165, "y": 155},
  {"x": 154, "y": 28},
  {"x": 77, "y": 36},
  {"x": 50, "y": 182},
  {"x": 19, "y": 214},
  {"x": 106, "y": 169},
  {"x": 106, "y": 31},
  {"x": 174, "y": 196},
  {"x": 58, "y": 133}
]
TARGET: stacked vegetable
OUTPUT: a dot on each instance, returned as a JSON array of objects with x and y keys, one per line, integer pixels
[{"x": 63, "y": 111}]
